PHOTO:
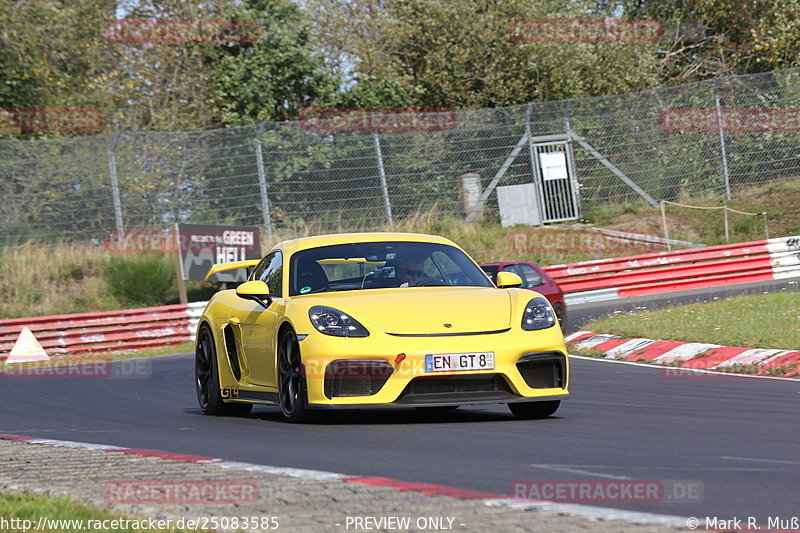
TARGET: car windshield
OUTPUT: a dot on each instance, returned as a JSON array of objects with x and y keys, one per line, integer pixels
[{"x": 377, "y": 265}]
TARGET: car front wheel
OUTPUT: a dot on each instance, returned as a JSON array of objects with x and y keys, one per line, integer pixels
[{"x": 291, "y": 385}]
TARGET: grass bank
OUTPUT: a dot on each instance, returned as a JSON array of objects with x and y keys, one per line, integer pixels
[
  {"x": 779, "y": 200},
  {"x": 24, "y": 509},
  {"x": 750, "y": 321}
]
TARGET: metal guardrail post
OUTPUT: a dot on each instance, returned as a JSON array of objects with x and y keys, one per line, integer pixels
[
  {"x": 112, "y": 169},
  {"x": 262, "y": 182},
  {"x": 384, "y": 187}
]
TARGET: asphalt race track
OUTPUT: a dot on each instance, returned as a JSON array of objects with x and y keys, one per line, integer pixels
[{"x": 735, "y": 436}]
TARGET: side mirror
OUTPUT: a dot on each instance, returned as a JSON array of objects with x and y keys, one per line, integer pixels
[
  {"x": 507, "y": 280},
  {"x": 256, "y": 291}
]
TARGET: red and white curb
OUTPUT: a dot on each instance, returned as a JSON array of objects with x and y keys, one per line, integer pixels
[
  {"x": 688, "y": 354},
  {"x": 430, "y": 489}
]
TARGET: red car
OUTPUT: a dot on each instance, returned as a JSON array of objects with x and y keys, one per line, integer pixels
[{"x": 535, "y": 279}]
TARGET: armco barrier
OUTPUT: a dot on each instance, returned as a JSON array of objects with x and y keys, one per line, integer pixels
[
  {"x": 150, "y": 327},
  {"x": 711, "y": 266}
]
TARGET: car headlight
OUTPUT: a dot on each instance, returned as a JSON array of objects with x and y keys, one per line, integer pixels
[
  {"x": 331, "y": 321},
  {"x": 538, "y": 315}
]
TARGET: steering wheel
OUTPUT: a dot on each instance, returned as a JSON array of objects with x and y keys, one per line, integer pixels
[{"x": 426, "y": 281}]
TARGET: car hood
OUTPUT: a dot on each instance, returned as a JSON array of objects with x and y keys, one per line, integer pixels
[{"x": 425, "y": 310}]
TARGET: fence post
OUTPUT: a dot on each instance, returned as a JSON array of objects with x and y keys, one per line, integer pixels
[
  {"x": 262, "y": 182},
  {"x": 537, "y": 184},
  {"x": 112, "y": 169},
  {"x": 382, "y": 173},
  {"x": 664, "y": 223},
  {"x": 722, "y": 149},
  {"x": 727, "y": 230}
]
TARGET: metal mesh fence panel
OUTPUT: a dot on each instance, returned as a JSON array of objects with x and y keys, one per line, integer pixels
[{"x": 297, "y": 178}]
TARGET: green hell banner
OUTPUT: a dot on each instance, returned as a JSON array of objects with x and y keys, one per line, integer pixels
[{"x": 202, "y": 246}]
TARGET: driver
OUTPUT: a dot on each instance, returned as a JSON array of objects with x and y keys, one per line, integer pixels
[{"x": 409, "y": 270}]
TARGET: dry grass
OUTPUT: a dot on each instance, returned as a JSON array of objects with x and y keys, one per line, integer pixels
[
  {"x": 41, "y": 280},
  {"x": 778, "y": 199}
]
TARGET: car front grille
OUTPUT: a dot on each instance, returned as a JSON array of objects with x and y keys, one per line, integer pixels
[
  {"x": 456, "y": 389},
  {"x": 356, "y": 377}
]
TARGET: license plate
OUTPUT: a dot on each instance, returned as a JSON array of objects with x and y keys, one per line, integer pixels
[{"x": 446, "y": 362}]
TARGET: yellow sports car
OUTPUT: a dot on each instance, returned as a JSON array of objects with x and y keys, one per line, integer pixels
[{"x": 377, "y": 320}]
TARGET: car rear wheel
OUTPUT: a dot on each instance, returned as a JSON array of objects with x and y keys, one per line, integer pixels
[
  {"x": 291, "y": 385},
  {"x": 533, "y": 410},
  {"x": 206, "y": 375}
]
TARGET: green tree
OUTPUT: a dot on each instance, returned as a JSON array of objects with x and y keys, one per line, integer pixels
[
  {"x": 52, "y": 54},
  {"x": 460, "y": 53},
  {"x": 710, "y": 38},
  {"x": 272, "y": 78}
]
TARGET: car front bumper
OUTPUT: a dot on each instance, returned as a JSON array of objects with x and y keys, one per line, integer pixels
[{"x": 396, "y": 367}]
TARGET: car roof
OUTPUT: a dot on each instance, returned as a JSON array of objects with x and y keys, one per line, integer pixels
[{"x": 293, "y": 245}]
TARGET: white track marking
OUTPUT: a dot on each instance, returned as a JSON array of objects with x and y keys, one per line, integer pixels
[
  {"x": 755, "y": 459},
  {"x": 281, "y": 470},
  {"x": 70, "y": 444},
  {"x": 571, "y": 470}
]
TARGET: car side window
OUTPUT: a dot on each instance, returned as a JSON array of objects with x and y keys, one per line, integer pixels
[
  {"x": 529, "y": 276},
  {"x": 272, "y": 273},
  {"x": 515, "y": 270}
]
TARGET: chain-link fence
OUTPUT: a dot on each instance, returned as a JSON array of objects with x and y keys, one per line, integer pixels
[{"x": 667, "y": 143}]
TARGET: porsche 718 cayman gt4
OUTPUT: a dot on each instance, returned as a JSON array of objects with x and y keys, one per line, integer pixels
[{"x": 377, "y": 320}]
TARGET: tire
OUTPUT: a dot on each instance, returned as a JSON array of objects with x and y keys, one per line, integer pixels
[
  {"x": 292, "y": 394},
  {"x": 206, "y": 379},
  {"x": 534, "y": 410}
]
